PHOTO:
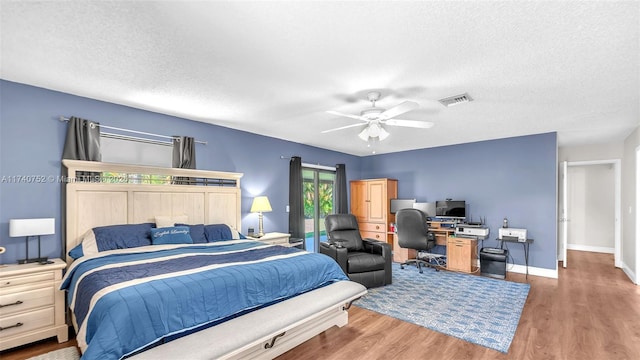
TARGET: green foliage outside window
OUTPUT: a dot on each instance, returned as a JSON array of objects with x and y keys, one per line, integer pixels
[{"x": 325, "y": 201}]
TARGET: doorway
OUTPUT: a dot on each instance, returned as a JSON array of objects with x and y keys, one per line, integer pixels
[
  {"x": 318, "y": 184},
  {"x": 590, "y": 208}
]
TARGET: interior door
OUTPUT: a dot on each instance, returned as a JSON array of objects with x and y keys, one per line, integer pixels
[{"x": 564, "y": 216}]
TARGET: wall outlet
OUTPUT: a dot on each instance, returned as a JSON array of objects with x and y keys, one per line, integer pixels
[{"x": 287, "y": 208}]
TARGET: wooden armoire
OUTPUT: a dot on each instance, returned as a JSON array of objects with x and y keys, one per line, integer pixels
[{"x": 370, "y": 203}]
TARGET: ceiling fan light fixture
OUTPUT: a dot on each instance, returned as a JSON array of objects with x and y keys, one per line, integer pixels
[
  {"x": 364, "y": 134},
  {"x": 383, "y": 134}
]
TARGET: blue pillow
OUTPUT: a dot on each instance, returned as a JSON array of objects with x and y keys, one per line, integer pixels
[
  {"x": 122, "y": 236},
  {"x": 221, "y": 232},
  {"x": 196, "y": 232},
  {"x": 171, "y": 235},
  {"x": 76, "y": 252}
]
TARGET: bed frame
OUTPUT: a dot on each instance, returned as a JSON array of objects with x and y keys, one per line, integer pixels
[{"x": 129, "y": 194}]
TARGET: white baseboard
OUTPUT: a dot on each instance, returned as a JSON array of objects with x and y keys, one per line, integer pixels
[
  {"x": 598, "y": 249},
  {"x": 536, "y": 271},
  {"x": 630, "y": 273}
]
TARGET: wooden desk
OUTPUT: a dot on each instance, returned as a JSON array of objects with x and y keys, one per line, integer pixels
[
  {"x": 401, "y": 255},
  {"x": 442, "y": 230},
  {"x": 462, "y": 254}
]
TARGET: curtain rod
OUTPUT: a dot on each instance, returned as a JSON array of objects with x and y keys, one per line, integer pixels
[
  {"x": 65, "y": 119},
  {"x": 313, "y": 166}
]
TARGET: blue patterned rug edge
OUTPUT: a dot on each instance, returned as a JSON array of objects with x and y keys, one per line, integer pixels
[{"x": 476, "y": 309}]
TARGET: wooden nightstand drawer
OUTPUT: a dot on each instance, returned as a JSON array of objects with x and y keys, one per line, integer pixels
[
  {"x": 26, "y": 279},
  {"x": 15, "y": 302},
  {"x": 23, "y": 322}
]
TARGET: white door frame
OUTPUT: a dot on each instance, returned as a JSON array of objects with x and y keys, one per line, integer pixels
[
  {"x": 637, "y": 175},
  {"x": 617, "y": 201}
]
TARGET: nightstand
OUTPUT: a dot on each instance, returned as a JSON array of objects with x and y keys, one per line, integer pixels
[
  {"x": 275, "y": 238},
  {"x": 31, "y": 304}
]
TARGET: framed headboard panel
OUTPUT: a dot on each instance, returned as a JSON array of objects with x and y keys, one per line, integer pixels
[{"x": 100, "y": 194}]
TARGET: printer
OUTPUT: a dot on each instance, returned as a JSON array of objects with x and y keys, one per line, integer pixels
[
  {"x": 471, "y": 230},
  {"x": 512, "y": 234}
]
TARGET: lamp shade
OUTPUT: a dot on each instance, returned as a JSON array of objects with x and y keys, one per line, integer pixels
[
  {"x": 32, "y": 227},
  {"x": 260, "y": 204}
]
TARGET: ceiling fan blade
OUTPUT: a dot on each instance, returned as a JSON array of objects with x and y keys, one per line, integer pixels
[
  {"x": 399, "y": 109},
  {"x": 409, "y": 123},
  {"x": 357, "y": 117},
  {"x": 340, "y": 128}
]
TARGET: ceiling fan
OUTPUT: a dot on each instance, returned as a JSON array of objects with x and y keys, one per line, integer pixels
[{"x": 376, "y": 118}]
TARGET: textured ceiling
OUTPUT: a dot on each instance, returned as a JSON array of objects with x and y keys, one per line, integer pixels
[{"x": 275, "y": 68}]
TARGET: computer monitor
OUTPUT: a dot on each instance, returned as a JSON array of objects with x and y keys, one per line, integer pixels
[
  {"x": 429, "y": 209},
  {"x": 397, "y": 204},
  {"x": 454, "y": 209}
]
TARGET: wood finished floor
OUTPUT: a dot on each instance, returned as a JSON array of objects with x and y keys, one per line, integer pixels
[{"x": 592, "y": 311}]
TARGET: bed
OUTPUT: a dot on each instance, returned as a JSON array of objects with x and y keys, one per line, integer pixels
[{"x": 218, "y": 295}]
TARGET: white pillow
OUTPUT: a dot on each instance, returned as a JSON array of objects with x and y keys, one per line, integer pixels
[{"x": 170, "y": 221}]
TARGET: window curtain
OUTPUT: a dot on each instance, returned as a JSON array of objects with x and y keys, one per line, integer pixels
[
  {"x": 342, "y": 204},
  {"x": 296, "y": 207},
  {"x": 82, "y": 143},
  {"x": 184, "y": 157}
]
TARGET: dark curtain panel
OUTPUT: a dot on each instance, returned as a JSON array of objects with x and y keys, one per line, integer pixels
[
  {"x": 184, "y": 157},
  {"x": 82, "y": 143},
  {"x": 342, "y": 204},
  {"x": 296, "y": 207}
]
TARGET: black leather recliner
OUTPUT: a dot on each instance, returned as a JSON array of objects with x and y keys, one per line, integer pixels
[{"x": 365, "y": 261}]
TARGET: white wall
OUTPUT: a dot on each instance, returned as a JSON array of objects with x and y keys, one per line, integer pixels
[
  {"x": 591, "y": 208},
  {"x": 629, "y": 242},
  {"x": 606, "y": 151}
]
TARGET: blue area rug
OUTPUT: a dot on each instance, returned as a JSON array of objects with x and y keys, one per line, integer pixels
[{"x": 473, "y": 308}]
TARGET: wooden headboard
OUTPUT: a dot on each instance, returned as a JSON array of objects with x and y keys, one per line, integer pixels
[{"x": 130, "y": 194}]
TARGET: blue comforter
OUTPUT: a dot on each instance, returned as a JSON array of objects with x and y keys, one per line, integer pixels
[{"x": 125, "y": 300}]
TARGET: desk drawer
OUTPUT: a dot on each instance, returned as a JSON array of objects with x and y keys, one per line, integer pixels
[{"x": 23, "y": 322}]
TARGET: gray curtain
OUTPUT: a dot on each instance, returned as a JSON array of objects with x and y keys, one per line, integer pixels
[
  {"x": 342, "y": 204},
  {"x": 184, "y": 157},
  {"x": 296, "y": 207},
  {"x": 184, "y": 152},
  {"x": 82, "y": 143}
]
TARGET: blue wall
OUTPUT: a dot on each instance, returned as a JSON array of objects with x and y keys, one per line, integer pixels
[
  {"x": 32, "y": 139},
  {"x": 513, "y": 177}
]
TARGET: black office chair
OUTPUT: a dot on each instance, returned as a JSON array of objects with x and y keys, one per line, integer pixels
[
  {"x": 365, "y": 261},
  {"x": 413, "y": 233}
]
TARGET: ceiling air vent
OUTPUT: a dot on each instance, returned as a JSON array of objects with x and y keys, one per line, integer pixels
[{"x": 456, "y": 99}]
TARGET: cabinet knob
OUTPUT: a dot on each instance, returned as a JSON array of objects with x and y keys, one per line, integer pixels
[{"x": 377, "y": 227}]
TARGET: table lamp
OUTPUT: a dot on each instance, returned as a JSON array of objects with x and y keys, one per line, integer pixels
[
  {"x": 29, "y": 228},
  {"x": 260, "y": 204}
]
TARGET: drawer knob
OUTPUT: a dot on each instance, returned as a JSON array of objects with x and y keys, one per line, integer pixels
[
  {"x": 15, "y": 303},
  {"x": 12, "y": 326},
  {"x": 377, "y": 227}
]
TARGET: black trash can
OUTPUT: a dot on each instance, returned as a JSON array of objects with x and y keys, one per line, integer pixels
[{"x": 493, "y": 262}]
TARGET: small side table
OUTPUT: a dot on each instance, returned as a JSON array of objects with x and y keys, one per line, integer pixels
[
  {"x": 275, "y": 238},
  {"x": 525, "y": 245}
]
